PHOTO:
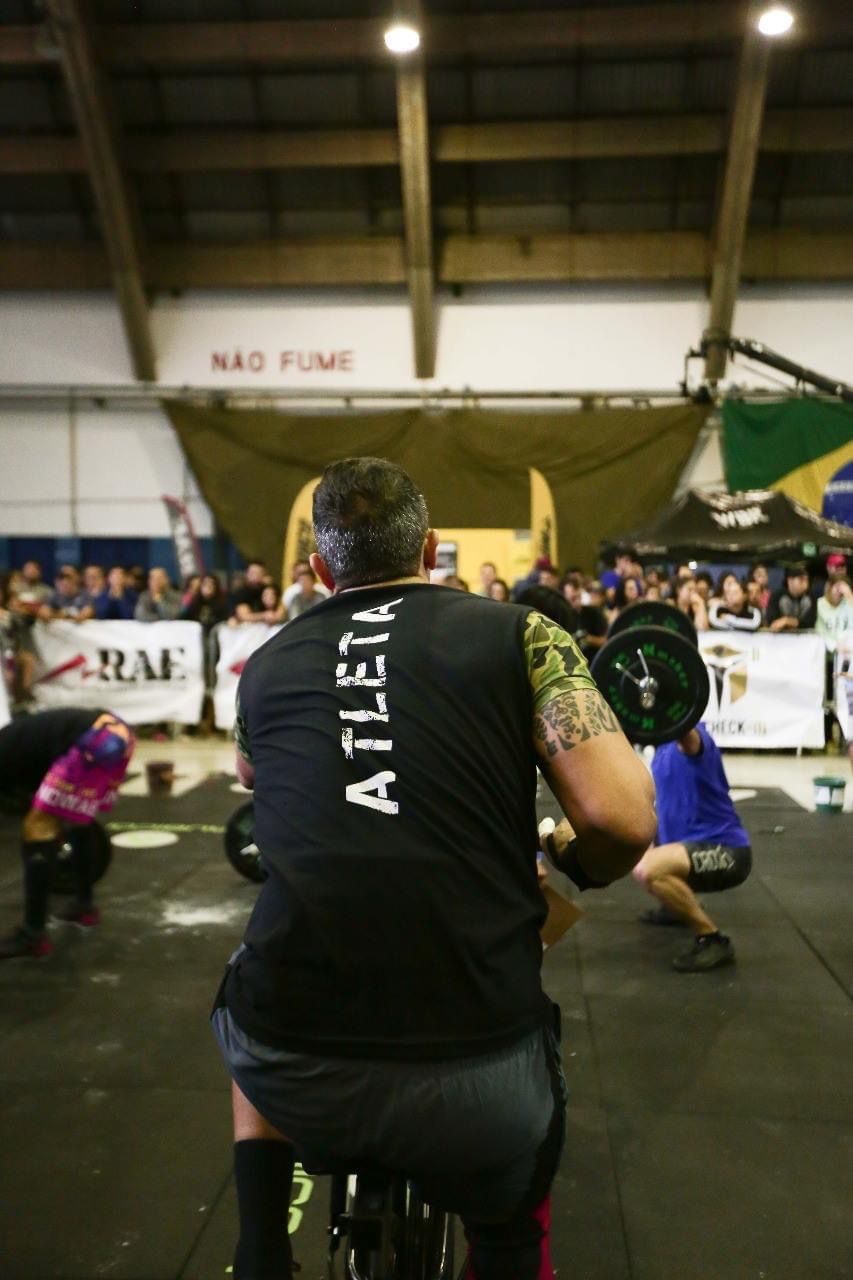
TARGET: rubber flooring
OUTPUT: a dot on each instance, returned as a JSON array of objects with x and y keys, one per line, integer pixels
[{"x": 710, "y": 1132}]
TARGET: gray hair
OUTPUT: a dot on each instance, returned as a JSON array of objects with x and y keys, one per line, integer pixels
[{"x": 370, "y": 521}]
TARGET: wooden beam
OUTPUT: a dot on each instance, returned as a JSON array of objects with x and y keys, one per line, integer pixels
[
  {"x": 413, "y": 129},
  {"x": 801, "y": 129},
  {"x": 89, "y": 94},
  {"x": 487, "y": 259},
  {"x": 792, "y": 255},
  {"x": 478, "y": 35},
  {"x": 736, "y": 191},
  {"x": 298, "y": 263},
  {"x": 245, "y": 150}
]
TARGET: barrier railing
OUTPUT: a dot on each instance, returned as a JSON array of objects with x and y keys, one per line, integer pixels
[{"x": 767, "y": 690}]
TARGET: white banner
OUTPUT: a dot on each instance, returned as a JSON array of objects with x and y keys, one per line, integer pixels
[
  {"x": 236, "y": 646},
  {"x": 5, "y": 713},
  {"x": 844, "y": 684},
  {"x": 146, "y": 672},
  {"x": 766, "y": 689}
]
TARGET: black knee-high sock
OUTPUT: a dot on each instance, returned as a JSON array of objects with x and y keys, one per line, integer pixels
[
  {"x": 39, "y": 860},
  {"x": 82, "y": 841},
  {"x": 263, "y": 1171}
]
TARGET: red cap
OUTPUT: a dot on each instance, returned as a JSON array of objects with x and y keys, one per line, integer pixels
[
  {"x": 835, "y": 559},
  {"x": 544, "y": 563}
]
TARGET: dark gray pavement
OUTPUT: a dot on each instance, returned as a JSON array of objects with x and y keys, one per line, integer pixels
[{"x": 711, "y": 1117}]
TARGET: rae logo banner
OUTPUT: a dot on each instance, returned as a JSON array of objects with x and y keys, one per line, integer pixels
[
  {"x": 146, "y": 672},
  {"x": 766, "y": 690}
]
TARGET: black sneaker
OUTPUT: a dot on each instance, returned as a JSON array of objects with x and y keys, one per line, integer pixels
[
  {"x": 709, "y": 951},
  {"x": 660, "y": 916},
  {"x": 23, "y": 944}
]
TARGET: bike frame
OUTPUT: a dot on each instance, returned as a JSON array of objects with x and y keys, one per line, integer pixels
[{"x": 386, "y": 1231}]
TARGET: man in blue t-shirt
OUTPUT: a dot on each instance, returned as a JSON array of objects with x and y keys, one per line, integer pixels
[{"x": 701, "y": 845}]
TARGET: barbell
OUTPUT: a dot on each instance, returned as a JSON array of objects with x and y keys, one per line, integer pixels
[
  {"x": 240, "y": 848},
  {"x": 653, "y": 678},
  {"x": 654, "y": 613}
]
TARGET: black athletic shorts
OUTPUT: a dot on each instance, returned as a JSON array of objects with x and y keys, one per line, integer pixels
[
  {"x": 715, "y": 867},
  {"x": 480, "y": 1137}
]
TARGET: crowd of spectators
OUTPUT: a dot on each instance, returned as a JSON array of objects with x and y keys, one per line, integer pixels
[
  {"x": 739, "y": 600},
  {"x": 736, "y": 601},
  {"x": 120, "y": 593}
]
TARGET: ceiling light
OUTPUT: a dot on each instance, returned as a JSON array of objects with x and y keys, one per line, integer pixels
[
  {"x": 402, "y": 38},
  {"x": 776, "y": 21}
]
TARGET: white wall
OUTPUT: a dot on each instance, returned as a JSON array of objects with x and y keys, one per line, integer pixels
[
  {"x": 105, "y": 473},
  {"x": 92, "y": 472}
]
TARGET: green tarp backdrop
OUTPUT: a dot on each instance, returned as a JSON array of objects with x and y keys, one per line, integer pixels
[{"x": 607, "y": 469}]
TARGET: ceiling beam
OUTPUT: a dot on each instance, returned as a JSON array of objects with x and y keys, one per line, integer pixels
[
  {"x": 802, "y": 129},
  {"x": 89, "y": 94},
  {"x": 413, "y": 131},
  {"x": 478, "y": 35},
  {"x": 736, "y": 191},
  {"x": 380, "y": 260}
]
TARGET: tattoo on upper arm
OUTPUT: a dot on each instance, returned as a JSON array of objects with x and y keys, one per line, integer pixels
[{"x": 573, "y": 718}]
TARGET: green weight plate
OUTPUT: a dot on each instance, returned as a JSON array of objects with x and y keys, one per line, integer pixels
[
  {"x": 681, "y": 685},
  {"x": 240, "y": 848},
  {"x": 654, "y": 613}
]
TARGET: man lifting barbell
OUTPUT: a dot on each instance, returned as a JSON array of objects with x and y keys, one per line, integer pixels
[
  {"x": 59, "y": 768},
  {"x": 657, "y": 683}
]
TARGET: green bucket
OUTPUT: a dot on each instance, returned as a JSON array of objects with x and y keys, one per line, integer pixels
[{"x": 829, "y": 794}]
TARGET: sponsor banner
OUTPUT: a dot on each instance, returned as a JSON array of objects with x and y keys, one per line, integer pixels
[
  {"x": 146, "y": 672},
  {"x": 187, "y": 549},
  {"x": 5, "y": 713},
  {"x": 766, "y": 689},
  {"x": 236, "y": 646},
  {"x": 844, "y": 684}
]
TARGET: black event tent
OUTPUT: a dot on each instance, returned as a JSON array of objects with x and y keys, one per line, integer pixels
[{"x": 756, "y": 522}]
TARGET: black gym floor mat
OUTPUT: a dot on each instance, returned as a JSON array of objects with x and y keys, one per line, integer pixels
[{"x": 711, "y": 1117}]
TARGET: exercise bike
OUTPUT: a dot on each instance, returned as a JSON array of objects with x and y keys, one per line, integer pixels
[{"x": 381, "y": 1229}]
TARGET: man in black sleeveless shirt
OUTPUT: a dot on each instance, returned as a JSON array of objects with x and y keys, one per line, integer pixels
[{"x": 386, "y": 1004}]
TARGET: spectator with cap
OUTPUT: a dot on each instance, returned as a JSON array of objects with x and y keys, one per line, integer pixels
[
  {"x": 791, "y": 608},
  {"x": 160, "y": 602},
  {"x": 836, "y": 566},
  {"x": 117, "y": 601}
]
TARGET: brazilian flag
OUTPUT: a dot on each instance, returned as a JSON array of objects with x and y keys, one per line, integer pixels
[{"x": 803, "y": 447}]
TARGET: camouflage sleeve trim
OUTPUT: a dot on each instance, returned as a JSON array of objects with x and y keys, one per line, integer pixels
[
  {"x": 554, "y": 662},
  {"x": 241, "y": 732}
]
